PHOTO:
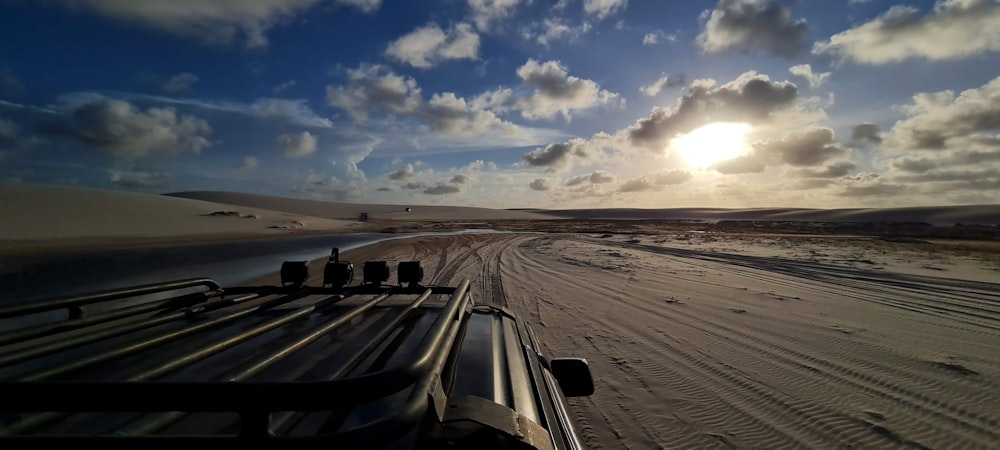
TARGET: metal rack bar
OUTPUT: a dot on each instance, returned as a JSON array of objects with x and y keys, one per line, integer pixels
[
  {"x": 119, "y": 330},
  {"x": 152, "y": 342},
  {"x": 154, "y": 424},
  {"x": 419, "y": 375},
  {"x": 104, "y": 296},
  {"x": 28, "y": 333},
  {"x": 39, "y": 395}
]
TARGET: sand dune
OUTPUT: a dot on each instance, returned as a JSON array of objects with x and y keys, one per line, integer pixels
[
  {"x": 694, "y": 347},
  {"x": 935, "y": 215},
  {"x": 50, "y": 217},
  {"x": 351, "y": 211},
  {"x": 47, "y": 214}
]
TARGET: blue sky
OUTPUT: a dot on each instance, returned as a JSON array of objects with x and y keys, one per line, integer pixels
[{"x": 509, "y": 103}]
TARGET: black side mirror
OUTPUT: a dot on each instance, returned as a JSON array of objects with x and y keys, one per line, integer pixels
[{"x": 573, "y": 375}]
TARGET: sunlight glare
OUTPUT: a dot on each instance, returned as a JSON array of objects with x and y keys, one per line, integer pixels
[{"x": 712, "y": 143}]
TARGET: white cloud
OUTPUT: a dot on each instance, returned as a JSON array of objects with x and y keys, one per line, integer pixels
[
  {"x": 296, "y": 112},
  {"x": 478, "y": 165},
  {"x": 404, "y": 173},
  {"x": 293, "y": 111},
  {"x": 561, "y": 156},
  {"x": 866, "y": 133},
  {"x": 661, "y": 84},
  {"x": 750, "y": 98},
  {"x": 137, "y": 179},
  {"x": 833, "y": 170},
  {"x": 557, "y": 92},
  {"x": 671, "y": 177},
  {"x": 429, "y": 45},
  {"x": 655, "y": 181},
  {"x": 658, "y": 36},
  {"x": 375, "y": 88},
  {"x": 868, "y": 185},
  {"x": 485, "y": 12},
  {"x": 802, "y": 148},
  {"x": 638, "y": 185},
  {"x": 541, "y": 184},
  {"x": 941, "y": 120},
  {"x": 498, "y": 100},
  {"x": 595, "y": 177},
  {"x": 442, "y": 189},
  {"x": 367, "y": 6},
  {"x": 739, "y": 165},
  {"x": 955, "y": 29},
  {"x": 378, "y": 89},
  {"x": 555, "y": 29},
  {"x": 453, "y": 115},
  {"x": 215, "y": 22},
  {"x": 805, "y": 71},
  {"x": 604, "y": 8},
  {"x": 948, "y": 144},
  {"x": 462, "y": 178},
  {"x": 297, "y": 145},
  {"x": 329, "y": 188},
  {"x": 181, "y": 82},
  {"x": 248, "y": 163},
  {"x": 127, "y": 132},
  {"x": 753, "y": 25},
  {"x": 282, "y": 87},
  {"x": 219, "y": 22}
]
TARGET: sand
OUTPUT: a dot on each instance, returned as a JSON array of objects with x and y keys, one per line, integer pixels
[
  {"x": 696, "y": 346},
  {"x": 935, "y": 215},
  {"x": 697, "y": 339},
  {"x": 50, "y": 218},
  {"x": 351, "y": 211}
]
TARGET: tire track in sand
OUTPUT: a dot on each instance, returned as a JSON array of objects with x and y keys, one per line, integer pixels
[
  {"x": 490, "y": 275},
  {"x": 695, "y": 375},
  {"x": 705, "y": 408},
  {"x": 737, "y": 419},
  {"x": 983, "y": 426}
]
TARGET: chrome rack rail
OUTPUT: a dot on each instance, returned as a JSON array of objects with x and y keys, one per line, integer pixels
[{"x": 193, "y": 362}]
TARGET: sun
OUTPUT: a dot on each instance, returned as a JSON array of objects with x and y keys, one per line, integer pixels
[{"x": 712, "y": 143}]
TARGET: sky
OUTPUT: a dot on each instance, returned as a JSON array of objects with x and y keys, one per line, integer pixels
[{"x": 509, "y": 103}]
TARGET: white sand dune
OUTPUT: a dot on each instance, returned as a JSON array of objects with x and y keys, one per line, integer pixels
[
  {"x": 935, "y": 215},
  {"x": 53, "y": 216},
  {"x": 50, "y": 213},
  {"x": 37, "y": 217},
  {"x": 697, "y": 348},
  {"x": 351, "y": 211}
]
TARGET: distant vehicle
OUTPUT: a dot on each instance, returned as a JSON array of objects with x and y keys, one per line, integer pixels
[
  {"x": 409, "y": 209},
  {"x": 339, "y": 366},
  {"x": 363, "y": 217}
]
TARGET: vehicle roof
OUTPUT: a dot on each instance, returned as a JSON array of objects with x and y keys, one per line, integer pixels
[{"x": 368, "y": 366}]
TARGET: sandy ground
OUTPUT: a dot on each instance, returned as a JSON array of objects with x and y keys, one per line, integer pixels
[
  {"x": 937, "y": 215},
  {"x": 748, "y": 344}
]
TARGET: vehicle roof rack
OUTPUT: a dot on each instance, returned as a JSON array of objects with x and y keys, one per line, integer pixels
[{"x": 56, "y": 370}]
